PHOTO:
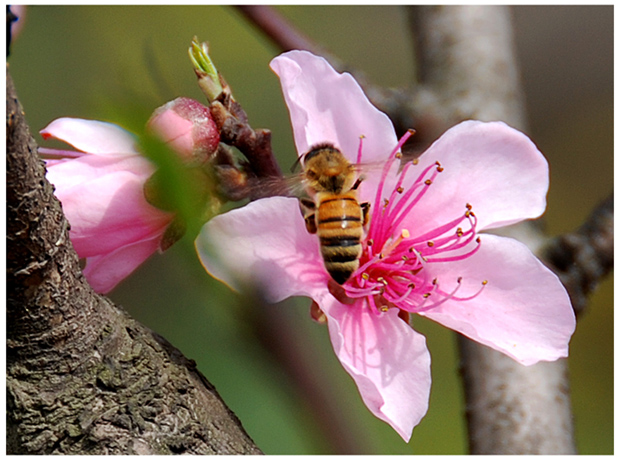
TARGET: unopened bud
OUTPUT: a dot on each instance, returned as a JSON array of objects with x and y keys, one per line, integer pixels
[
  {"x": 208, "y": 77},
  {"x": 188, "y": 128}
]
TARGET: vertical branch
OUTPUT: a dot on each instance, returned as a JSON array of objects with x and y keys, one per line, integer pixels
[
  {"x": 467, "y": 63},
  {"x": 465, "y": 57}
]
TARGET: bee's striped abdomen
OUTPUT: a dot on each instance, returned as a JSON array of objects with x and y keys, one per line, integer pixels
[{"x": 340, "y": 230}]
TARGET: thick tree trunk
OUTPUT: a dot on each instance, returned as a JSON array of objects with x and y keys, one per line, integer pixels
[{"x": 82, "y": 376}]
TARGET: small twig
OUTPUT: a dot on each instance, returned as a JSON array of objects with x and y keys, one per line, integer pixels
[
  {"x": 584, "y": 257},
  {"x": 232, "y": 122},
  {"x": 232, "y": 176},
  {"x": 236, "y": 131},
  {"x": 277, "y": 28},
  {"x": 394, "y": 102}
]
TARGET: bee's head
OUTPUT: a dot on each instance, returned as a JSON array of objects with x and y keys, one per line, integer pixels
[{"x": 326, "y": 169}]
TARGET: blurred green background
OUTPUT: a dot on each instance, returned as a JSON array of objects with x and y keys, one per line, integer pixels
[{"x": 271, "y": 364}]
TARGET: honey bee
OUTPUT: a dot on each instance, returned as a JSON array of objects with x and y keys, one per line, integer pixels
[{"x": 333, "y": 211}]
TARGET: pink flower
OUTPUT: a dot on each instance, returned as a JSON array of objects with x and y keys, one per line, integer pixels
[
  {"x": 423, "y": 253},
  {"x": 100, "y": 187}
]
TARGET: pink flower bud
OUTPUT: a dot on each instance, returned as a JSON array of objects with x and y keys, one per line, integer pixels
[{"x": 188, "y": 127}]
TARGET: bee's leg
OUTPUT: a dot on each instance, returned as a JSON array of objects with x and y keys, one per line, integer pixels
[
  {"x": 308, "y": 209},
  {"x": 357, "y": 183},
  {"x": 365, "y": 213}
]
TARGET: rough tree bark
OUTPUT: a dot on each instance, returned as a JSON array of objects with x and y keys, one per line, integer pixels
[{"x": 82, "y": 376}]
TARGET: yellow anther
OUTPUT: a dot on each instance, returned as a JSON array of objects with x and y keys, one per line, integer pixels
[{"x": 365, "y": 276}]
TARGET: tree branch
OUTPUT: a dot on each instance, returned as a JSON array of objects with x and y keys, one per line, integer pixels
[
  {"x": 82, "y": 376},
  {"x": 465, "y": 58},
  {"x": 584, "y": 257},
  {"x": 276, "y": 28},
  {"x": 468, "y": 62}
]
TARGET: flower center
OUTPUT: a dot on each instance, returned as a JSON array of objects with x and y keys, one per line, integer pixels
[{"x": 395, "y": 265}]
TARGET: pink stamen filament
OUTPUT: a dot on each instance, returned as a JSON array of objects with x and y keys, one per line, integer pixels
[
  {"x": 359, "y": 150},
  {"x": 455, "y": 258},
  {"x": 393, "y": 269},
  {"x": 442, "y": 230},
  {"x": 403, "y": 201},
  {"x": 391, "y": 209},
  {"x": 423, "y": 308},
  {"x": 393, "y": 156}
]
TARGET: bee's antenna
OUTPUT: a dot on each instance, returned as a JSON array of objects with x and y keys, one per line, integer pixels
[{"x": 297, "y": 163}]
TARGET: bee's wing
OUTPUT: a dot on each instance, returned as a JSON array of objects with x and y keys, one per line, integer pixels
[
  {"x": 366, "y": 169},
  {"x": 276, "y": 186}
]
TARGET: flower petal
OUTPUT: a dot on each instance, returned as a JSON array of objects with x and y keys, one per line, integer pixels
[
  {"x": 326, "y": 106},
  {"x": 104, "y": 272},
  {"x": 523, "y": 311},
  {"x": 109, "y": 212},
  {"x": 264, "y": 244},
  {"x": 91, "y": 136},
  {"x": 496, "y": 169},
  {"x": 387, "y": 359},
  {"x": 68, "y": 173}
]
